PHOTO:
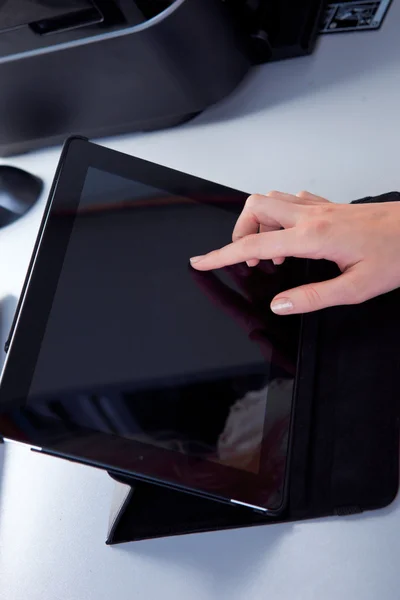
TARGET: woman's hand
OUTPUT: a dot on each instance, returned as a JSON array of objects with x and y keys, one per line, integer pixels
[{"x": 362, "y": 239}]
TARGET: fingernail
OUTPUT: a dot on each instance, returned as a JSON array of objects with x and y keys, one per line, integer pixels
[
  {"x": 281, "y": 306},
  {"x": 278, "y": 261},
  {"x": 196, "y": 259},
  {"x": 253, "y": 262}
]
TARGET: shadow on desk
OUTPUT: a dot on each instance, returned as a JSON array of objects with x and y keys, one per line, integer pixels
[
  {"x": 223, "y": 558},
  {"x": 337, "y": 60}
]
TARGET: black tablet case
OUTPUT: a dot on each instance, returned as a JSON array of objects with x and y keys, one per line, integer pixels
[{"x": 345, "y": 438}]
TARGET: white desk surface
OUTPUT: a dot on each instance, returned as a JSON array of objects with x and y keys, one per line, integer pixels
[{"x": 329, "y": 123}]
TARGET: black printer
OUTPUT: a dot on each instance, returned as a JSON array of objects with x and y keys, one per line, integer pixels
[{"x": 104, "y": 67}]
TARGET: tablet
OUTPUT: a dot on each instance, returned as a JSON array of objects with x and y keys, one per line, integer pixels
[{"x": 123, "y": 357}]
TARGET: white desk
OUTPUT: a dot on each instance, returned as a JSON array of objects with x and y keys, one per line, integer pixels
[{"x": 329, "y": 123}]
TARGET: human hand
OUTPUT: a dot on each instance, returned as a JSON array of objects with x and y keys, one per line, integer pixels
[{"x": 362, "y": 239}]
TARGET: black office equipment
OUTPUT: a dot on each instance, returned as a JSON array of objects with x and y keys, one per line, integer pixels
[
  {"x": 19, "y": 191},
  {"x": 104, "y": 67}
]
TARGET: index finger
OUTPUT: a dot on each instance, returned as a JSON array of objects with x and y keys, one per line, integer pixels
[{"x": 262, "y": 246}]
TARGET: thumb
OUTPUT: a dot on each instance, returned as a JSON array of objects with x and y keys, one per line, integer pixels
[{"x": 345, "y": 289}]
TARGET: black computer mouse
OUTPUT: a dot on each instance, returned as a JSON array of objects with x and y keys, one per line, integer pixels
[{"x": 19, "y": 190}]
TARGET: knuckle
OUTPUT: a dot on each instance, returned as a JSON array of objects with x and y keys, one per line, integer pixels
[
  {"x": 312, "y": 296},
  {"x": 318, "y": 224},
  {"x": 317, "y": 201},
  {"x": 353, "y": 290},
  {"x": 253, "y": 201},
  {"x": 322, "y": 227},
  {"x": 273, "y": 193},
  {"x": 326, "y": 209},
  {"x": 250, "y": 242},
  {"x": 251, "y": 247}
]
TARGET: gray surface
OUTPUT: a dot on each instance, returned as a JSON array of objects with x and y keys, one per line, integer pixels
[
  {"x": 327, "y": 123},
  {"x": 54, "y": 518}
]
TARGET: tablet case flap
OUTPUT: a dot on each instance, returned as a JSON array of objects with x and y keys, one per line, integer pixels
[{"x": 346, "y": 430}]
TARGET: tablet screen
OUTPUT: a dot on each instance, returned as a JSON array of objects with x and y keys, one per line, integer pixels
[{"x": 139, "y": 346}]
